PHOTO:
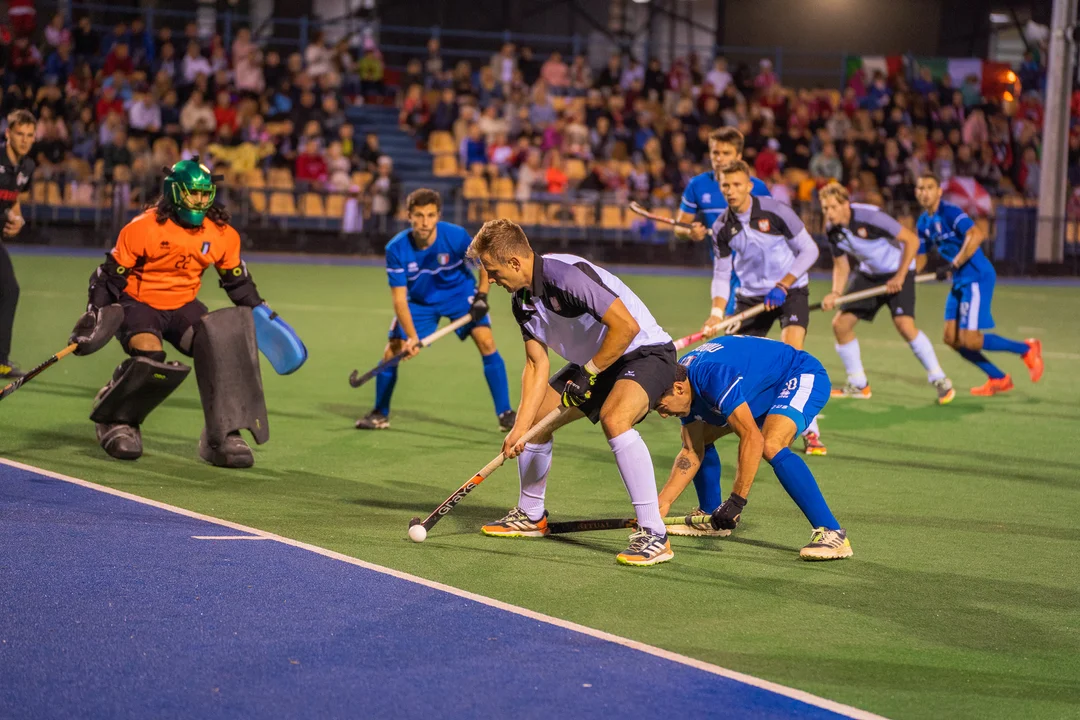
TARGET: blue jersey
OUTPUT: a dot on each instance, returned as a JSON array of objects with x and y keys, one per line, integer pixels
[
  {"x": 739, "y": 369},
  {"x": 702, "y": 197},
  {"x": 946, "y": 230},
  {"x": 437, "y": 273}
]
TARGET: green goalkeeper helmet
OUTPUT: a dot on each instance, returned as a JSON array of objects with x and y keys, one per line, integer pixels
[{"x": 183, "y": 179}]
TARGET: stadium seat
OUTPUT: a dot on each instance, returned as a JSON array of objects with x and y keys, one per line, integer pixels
[
  {"x": 441, "y": 142},
  {"x": 280, "y": 179},
  {"x": 502, "y": 188},
  {"x": 361, "y": 179},
  {"x": 52, "y": 193},
  {"x": 476, "y": 188},
  {"x": 477, "y": 211},
  {"x": 559, "y": 214},
  {"x": 311, "y": 205},
  {"x": 258, "y": 201},
  {"x": 80, "y": 194},
  {"x": 445, "y": 166},
  {"x": 575, "y": 170},
  {"x": 254, "y": 178},
  {"x": 663, "y": 212},
  {"x": 532, "y": 213},
  {"x": 282, "y": 203},
  {"x": 335, "y": 206},
  {"x": 584, "y": 215},
  {"x": 1071, "y": 232},
  {"x": 508, "y": 210},
  {"x": 611, "y": 217}
]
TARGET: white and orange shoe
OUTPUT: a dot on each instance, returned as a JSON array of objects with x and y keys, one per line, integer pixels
[
  {"x": 850, "y": 391},
  {"x": 1033, "y": 359},
  {"x": 993, "y": 386},
  {"x": 646, "y": 549},
  {"x": 812, "y": 444},
  {"x": 516, "y": 524}
]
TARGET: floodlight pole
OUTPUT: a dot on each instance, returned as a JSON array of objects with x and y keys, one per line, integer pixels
[{"x": 1053, "y": 171}]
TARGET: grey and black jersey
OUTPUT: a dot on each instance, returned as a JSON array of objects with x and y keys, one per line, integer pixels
[
  {"x": 769, "y": 241},
  {"x": 14, "y": 179},
  {"x": 568, "y": 297},
  {"x": 872, "y": 238}
]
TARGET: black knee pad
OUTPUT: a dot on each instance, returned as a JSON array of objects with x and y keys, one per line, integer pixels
[
  {"x": 155, "y": 355},
  {"x": 138, "y": 386},
  {"x": 227, "y": 368}
]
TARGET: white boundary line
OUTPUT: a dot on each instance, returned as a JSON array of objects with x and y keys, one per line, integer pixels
[
  {"x": 792, "y": 693},
  {"x": 229, "y": 537}
]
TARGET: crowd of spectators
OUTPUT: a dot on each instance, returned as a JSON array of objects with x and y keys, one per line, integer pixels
[
  {"x": 119, "y": 105},
  {"x": 558, "y": 126}
]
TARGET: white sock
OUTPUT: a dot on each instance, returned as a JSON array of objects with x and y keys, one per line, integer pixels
[
  {"x": 924, "y": 350},
  {"x": 635, "y": 466},
  {"x": 812, "y": 427},
  {"x": 852, "y": 358},
  {"x": 534, "y": 462}
]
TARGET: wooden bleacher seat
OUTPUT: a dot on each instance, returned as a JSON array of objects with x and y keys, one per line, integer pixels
[
  {"x": 258, "y": 201},
  {"x": 311, "y": 205},
  {"x": 280, "y": 179},
  {"x": 508, "y": 210},
  {"x": 335, "y": 206},
  {"x": 532, "y": 213},
  {"x": 282, "y": 203},
  {"x": 445, "y": 166},
  {"x": 476, "y": 188},
  {"x": 441, "y": 142},
  {"x": 612, "y": 218},
  {"x": 502, "y": 188}
]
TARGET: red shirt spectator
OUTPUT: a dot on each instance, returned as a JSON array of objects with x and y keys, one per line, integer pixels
[
  {"x": 767, "y": 162},
  {"x": 118, "y": 59},
  {"x": 225, "y": 112},
  {"x": 108, "y": 103},
  {"x": 310, "y": 166}
]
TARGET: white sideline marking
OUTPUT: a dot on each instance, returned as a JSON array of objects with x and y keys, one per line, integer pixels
[
  {"x": 783, "y": 690},
  {"x": 228, "y": 537}
]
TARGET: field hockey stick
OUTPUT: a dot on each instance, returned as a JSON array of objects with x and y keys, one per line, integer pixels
[
  {"x": 356, "y": 379},
  {"x": 19, "y": 382},
  {"x": 872, "y": 292},
  {"x": 437, "y": 514},
  {"x": 640, "y": 210},
  {"x": 733, "y": 321},
  {"x": 572, "y": 526}
]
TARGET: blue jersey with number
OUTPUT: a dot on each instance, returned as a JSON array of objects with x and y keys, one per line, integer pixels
[
  {"x": 739, "y": 369},
  {"x": 946, "y": 229},
  {"x": 435, "y": 274},
  {"x": 702, "y": 197}
]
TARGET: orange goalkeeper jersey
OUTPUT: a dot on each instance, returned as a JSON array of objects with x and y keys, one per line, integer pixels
[{"x": 166, "y": 261}]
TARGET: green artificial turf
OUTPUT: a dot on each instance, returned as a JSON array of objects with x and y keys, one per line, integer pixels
[{"x": 962, "y": 597}]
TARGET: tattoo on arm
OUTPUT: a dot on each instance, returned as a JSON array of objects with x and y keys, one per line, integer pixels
[{"x": 683, "y": 463}]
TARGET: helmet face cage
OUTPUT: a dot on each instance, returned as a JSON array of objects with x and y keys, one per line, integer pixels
[{"x": 182, "y": 196}]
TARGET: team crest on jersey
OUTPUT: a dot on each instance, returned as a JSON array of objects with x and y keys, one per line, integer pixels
[
  {"x": 861, "y": 232},
  {"x": 764, "y": 225},
  {"x": 21, "y": 179},
  {"x": 205, "y": 248},
  {"x": 443, "y": 258},
  {"x": 413, "y": 266},
  {"x": 707, "y": 197}
]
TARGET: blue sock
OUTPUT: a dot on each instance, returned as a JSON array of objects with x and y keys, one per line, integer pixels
[
  {"x": 978, "y": 359},
  {"x": 707, "y": 481},
  {"x": 800, "y": 484},
  {"x": 384, "y": 388},
  {"x": 996, "y": 343},
  {"x": 495, "y": 374}
]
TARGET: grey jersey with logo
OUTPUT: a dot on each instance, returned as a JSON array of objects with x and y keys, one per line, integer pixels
[
  {"x": 872, "y": 238},
  {"x": 568, "y": 297}
]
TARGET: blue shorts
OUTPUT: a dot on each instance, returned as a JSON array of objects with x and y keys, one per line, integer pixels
[
  {"x": 426, "y": 318},
  {"x": 803, "y": 395},
  {"x": 969, "y": 304}
]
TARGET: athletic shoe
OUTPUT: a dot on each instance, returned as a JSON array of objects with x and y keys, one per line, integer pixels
[
  {"x": 994, "y": 386},
  {"x": 10, "y": 372},
  {"x": 850, "y": 391},
  {"x": 945, "y": 391},
  {"x": 1033, "y": 359},
  {"x": 827, "y": 545},
  {"x": 812, "y": 444},
  {"x": 699, "y": 529},
  {"x": 516, "y": 524},
  {"x": 507, "y": 420},
  {"x": 374, "y": 420},
  {"x": 646, "y": 549}
]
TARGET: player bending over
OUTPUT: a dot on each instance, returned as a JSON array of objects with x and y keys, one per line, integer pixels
[
  {"x": 429, "y": 280},
  {"x": 967, "y": 309},
  {"x": 620, "y": 361},
  {"x": 766, "y": 393},
  {"x": 886, "y": 252},
  {"x": 154, "y": 273},
  {"x": 702, "y": 202}
]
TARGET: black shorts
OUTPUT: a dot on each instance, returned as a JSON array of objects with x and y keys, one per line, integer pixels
[
  {"x": 650, "y": 366},
  {"x": 900, "y": 304},
  {"x": 794, "y": 311},
  {"x": 168, "y": 325}
]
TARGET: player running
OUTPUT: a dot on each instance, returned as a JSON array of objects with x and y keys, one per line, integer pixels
[
  {"x": 702, "y": 202},
  {"x": 16, "y": 168},
  {"x": 620, "y": 361},
  {"x": 967, "y": 309},
  {"x": 154, "y": 273},
  {"x": 886, "y": 252},
  {"x": 766, "y": 392},
  {"x": 765, "y": 243},
  {"x": 429, "y": 280}
]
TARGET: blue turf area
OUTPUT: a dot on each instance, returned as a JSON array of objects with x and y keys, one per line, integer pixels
[{"x": 110, "y": 609}]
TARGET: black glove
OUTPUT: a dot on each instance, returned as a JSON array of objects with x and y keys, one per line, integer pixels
[
  {"x": 96, "y": 328},
  {"x": 726, "y": 517},
  {"x": 479, "y": 307},
  {"x": 578, "y": 388},
  {"x": 944, "y": 270}
]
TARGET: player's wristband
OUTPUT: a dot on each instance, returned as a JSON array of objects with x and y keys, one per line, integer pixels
[
  {"x": 717, "y": 312},
  {"x": 590, "y": 367}
]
